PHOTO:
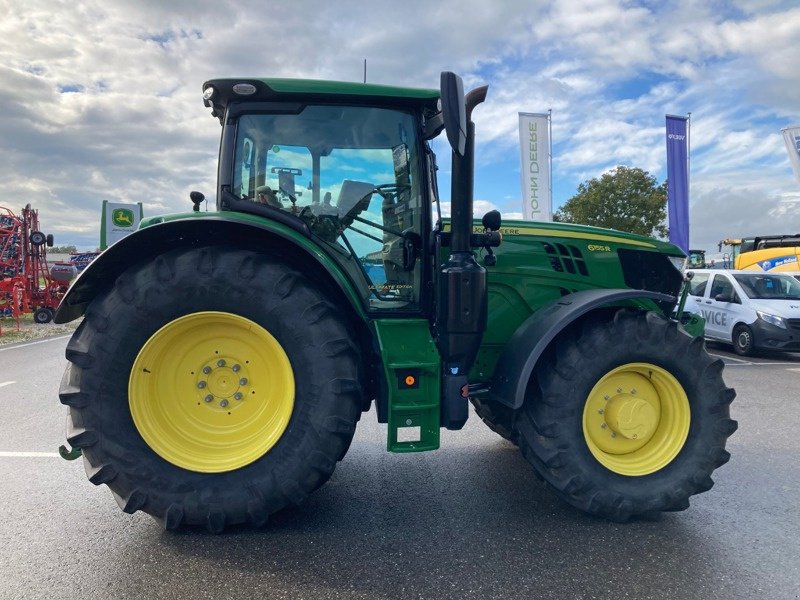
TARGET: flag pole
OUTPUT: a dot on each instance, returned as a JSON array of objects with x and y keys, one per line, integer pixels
[{"x": 550, "y": 156}]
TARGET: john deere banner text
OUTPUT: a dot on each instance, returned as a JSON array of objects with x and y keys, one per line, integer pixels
[
  {"x": 678, "y": 182},
  {"x": 534, "y": 140}
]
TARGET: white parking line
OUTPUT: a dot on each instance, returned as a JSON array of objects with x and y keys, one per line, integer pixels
[
  {"x": 29, "y": 454},
  {"x": 724, "y": 357},
  {"x": 765, "y": 364},
  {"x": 52, "y": 339},
  {"x": 5, "y": 383}
]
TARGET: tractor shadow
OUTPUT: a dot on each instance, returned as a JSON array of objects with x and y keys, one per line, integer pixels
[{"x": 466, "y": 521}]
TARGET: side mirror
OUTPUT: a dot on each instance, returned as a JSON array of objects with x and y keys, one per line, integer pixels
[
  {"x": 196, "y": 198},
  {"x": 454, "y": 111},
  {"x": 492, "y": 220}
]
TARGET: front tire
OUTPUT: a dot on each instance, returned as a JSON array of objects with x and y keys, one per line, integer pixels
[
  {"x": 166, "y": 419},
  {"x": 742, "y": 340},
  {"x": 497, "y": 417},
  {"x": 628, "y": 418}
]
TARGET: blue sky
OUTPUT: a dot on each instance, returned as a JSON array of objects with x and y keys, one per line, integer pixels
[{"x": 102, "y": 99}]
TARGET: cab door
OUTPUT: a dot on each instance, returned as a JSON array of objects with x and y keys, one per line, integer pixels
[{"x": 722, "y": 305}]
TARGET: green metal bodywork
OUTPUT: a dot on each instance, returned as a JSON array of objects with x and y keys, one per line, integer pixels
[
  {"x": 524, "y": 278},
  {"x": 306, "y": 87}
]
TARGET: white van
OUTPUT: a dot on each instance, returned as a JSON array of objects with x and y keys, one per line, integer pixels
[{"x": 752, "y": 310}]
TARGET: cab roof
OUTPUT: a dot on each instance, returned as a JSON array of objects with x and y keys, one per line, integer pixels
[{"x": 292, "y": 90}]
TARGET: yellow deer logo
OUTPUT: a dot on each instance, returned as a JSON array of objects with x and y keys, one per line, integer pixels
[{"x": 122, "y": 217}]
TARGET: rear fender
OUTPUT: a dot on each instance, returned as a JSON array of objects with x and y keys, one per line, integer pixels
[
  {"x": 523, "y": 350},
  {"x": 147, "y": 243}
]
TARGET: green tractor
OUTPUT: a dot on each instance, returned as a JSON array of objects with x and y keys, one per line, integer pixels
[{"x": 225, "y": 357}]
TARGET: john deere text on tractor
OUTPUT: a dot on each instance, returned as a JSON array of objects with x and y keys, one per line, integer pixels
[{"x": 226, "y": 357}]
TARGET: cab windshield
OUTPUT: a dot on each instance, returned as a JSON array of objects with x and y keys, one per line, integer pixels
[
  {"x": 352, "y": 174},
  {"x": 763, "y": 286}
]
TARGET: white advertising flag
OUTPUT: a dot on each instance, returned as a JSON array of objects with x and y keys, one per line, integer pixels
[
  {"x": 534, "y": 141},
  {"x": 791, "y": 135}
]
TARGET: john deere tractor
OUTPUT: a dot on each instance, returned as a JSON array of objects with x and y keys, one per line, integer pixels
[{"x": 225, "y": 357}]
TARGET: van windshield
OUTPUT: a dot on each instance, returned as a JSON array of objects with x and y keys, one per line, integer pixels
[{"x": 763, "y": 286}]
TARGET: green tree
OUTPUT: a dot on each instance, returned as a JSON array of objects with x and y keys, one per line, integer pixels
[
  {"x": 626, "y": 199},
  {"x": 62, "y": 249}
]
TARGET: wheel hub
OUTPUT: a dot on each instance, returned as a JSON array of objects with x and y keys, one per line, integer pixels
[
  {"x": 223, "y": 379},
  {"x": 630, "y": 417}
]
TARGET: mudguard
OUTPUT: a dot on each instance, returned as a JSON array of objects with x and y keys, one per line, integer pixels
[
  {"x": 523, "y": 350},
  {"x": 194, "y": 229}
]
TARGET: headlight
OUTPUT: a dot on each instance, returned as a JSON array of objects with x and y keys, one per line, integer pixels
[{"x": 772, "y": 319}]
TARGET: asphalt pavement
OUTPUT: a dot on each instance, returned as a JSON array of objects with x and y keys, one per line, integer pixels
[{"x": 467, "y": 521}]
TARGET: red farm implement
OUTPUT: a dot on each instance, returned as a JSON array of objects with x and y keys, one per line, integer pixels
[{"x": 27, "y": 284}]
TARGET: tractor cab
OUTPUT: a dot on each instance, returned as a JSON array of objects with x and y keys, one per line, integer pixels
[{"x": 351, "y": 174}]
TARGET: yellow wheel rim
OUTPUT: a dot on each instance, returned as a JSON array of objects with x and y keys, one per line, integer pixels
[
  {"x": 636, "y": 419},
  {"x": 211, "y": 392}
]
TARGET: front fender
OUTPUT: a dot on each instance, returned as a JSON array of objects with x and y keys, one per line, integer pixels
[
  {"x": 522, "y": 352},
  {"x": 192, "y": 230}
]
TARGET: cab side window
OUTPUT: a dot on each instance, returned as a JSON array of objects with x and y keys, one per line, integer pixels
[
  {"x": 697, "y": 286},
  {"x": 722, "y": 286}
]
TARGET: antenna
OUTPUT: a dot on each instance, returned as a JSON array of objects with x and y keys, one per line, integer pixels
[{"x": 365, "y": 70}]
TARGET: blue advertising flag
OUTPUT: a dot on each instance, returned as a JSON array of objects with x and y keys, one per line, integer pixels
[{"x": 678, "y": 182}]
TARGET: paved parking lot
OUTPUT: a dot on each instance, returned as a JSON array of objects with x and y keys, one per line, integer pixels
[{"x": 468, "y": 521}]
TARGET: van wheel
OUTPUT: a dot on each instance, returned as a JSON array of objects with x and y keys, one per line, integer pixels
[{"x": 743, "y": 340}]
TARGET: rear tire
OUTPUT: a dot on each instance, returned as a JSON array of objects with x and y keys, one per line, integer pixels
[
  {"x": 185, "y": 487},
  {"x": 579, "y": 428}
]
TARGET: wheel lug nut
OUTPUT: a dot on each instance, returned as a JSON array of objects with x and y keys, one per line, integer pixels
[
  {"x": 601, "y": 411},
  {"x": 237, "y": 396},
  {"x": 619, "y": 390},
  {"x": 209, "y": 398},
  {"x": 613, "y": 434},
  {"x": 206, "y": 370},
  {"x": 236, "y": 368},
  {"x": 606, "y": 397},
  {"x": 633, "y": 391},
  {"x": 201, "y": 384},
  {"x": 603, "y": 425},
  {"x": 221, "y": 362},
  {"x": 243, "y": 381},
  {"x": 223, "y": 403}
]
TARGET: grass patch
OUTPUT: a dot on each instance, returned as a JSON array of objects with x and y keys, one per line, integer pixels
[{"x": 29, "y": 330}]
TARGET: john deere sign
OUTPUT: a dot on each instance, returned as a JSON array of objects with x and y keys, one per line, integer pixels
[{"x": 118, "y": 221}]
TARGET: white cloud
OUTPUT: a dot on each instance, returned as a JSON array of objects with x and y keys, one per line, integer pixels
[{"x": 102, "y": 99}]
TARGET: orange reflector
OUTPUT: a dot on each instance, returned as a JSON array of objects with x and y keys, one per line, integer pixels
[
  {"x": 410, "y": 380},
  {"x": 465, "y": 390}
]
